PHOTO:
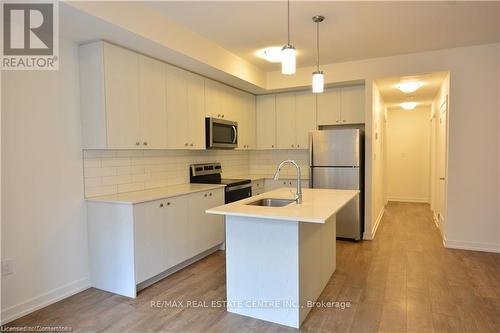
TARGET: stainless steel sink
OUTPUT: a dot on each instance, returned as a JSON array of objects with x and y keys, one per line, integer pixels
[{"x": 269, "y": 202}]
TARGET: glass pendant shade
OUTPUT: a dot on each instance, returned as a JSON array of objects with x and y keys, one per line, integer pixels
[
  {"x": 318, "y": 82},
  {"x": 288, "y": 60}
]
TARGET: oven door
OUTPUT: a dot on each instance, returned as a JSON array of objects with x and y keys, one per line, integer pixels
[
  {"x": 235, "y": 193},
  {"x": 221, "y": 133}
]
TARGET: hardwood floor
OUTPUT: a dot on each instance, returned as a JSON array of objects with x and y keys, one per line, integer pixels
[{"x": 403, "y": 281}]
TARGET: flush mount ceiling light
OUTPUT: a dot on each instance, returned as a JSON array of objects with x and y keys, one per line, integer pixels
[
  {"x": 409, "y": 86},
  {"x": 408, "y": 105},
  {"x": 288, "y": 51},
  {"x": 318, "y": 81},
  {"x": 271, "y": 54}
]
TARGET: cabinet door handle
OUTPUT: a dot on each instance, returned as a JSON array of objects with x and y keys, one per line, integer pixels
[
  {"x": 205, "y": 195},
  {"x": 145, "y": 143},
  {"x": 222, "y": 116},
  {"x": 298, "y": 146},
  {"x": 337, "y": 121},
  {"x": 161, "y": 205},
  {"x": 168, "y": 203},
  {"x": 191, "y": 145},
  {"x": 218, "y": 115},
  {"x": 292, "y": 146},
  {"x": 343, "y": 120},
  {"x": 272, "y": 146},
  {"x": 186, "y": 144},
  {"x": 210, "y": 194},
  {"x": 137, "y": 143}
]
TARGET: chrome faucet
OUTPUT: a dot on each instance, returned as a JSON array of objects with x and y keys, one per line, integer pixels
[{"x": 298, "y": 194}]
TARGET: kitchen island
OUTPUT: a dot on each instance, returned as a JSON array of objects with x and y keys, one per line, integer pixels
[{"x": 279, "y": 258}]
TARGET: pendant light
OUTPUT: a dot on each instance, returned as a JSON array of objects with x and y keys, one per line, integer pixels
[
  {"x": 318, "y": 80},
  {"x": 288, "y": 52}
]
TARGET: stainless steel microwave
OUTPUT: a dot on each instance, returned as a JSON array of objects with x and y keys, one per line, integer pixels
[{"x": 221, "y": 133}]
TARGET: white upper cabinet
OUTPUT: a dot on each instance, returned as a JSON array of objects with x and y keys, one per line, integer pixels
[
  {"x": 185, "y": 109},
  {"x": 285, "y": 121},
  {"x": 122, "y": 98},
  {"x": 130, "y": 101},
  {"x": 295, "y": 118},
  {"x": 266, "y": 122},
  {"x": 329, "y": 107},
  {"x": 196, "y": 110},
  {"x": 305, "y": 118},
  {"x": 342, "y": 106},
  {"x": 152, "y": 103},
  {"x": 177, "y": 108},
  {"x": 121, "y": 77},
  {"x": 353, "y": 105},
  {"x": 244, "y": 115},
  {"x": 215, "y": 99}
]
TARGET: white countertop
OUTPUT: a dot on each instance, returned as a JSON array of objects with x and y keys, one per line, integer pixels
[
  {"x": 154, "y": 194},
  {"x": 317, "y": 205}
]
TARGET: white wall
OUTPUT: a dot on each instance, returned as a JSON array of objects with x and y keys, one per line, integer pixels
[
  {"x": 408, "y": 154},
  {"x": 377, "y": 163},
  {"x": 43, "y": 216},
  {"x": 473, "y": 198}
]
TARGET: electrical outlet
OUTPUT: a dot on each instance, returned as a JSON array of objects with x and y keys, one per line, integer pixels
[{"x": 7, "y": 267}]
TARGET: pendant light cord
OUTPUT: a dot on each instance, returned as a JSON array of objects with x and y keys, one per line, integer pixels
[
  {"x": 288, "y": 12},
  {"x": 317, "y": 45}
]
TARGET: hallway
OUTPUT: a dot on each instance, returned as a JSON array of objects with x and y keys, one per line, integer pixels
[{"x": 403, "y": 281}]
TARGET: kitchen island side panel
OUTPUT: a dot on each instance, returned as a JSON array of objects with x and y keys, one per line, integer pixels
[{"x": 262, "y": 269}]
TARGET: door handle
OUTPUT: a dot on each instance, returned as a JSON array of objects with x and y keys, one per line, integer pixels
[
  {"x": 235, "y": 134},
  {"x": 442, "y": 178}
]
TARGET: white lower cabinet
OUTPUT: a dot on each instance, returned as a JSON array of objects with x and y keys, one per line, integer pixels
[
  {"x": 131, "y": 244},
  {"x": 272, "y": 184},
  {"x": 258, "y": 186}
]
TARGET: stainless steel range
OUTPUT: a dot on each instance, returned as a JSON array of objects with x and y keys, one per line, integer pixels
[{"x": 210, "y": 173}]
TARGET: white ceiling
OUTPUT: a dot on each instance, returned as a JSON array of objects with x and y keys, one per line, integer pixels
[
  {"x": 424, "y": 96},
  {"x": 351, "y": 31}
]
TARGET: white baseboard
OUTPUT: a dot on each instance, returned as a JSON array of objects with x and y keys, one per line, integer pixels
[
  {"x": 43, "y": 300},
  {"x": 409, "y": 199},
  {"x": 369, "y": 235},
  {"x": 472, "y": 246}
]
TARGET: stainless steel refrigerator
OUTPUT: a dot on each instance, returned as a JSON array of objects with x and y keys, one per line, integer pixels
[{"x": 337, "y": 162}]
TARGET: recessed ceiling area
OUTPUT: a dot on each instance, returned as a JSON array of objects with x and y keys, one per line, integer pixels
[
  {"x": 351, "y": 30},
  {"x": 393, "y": 97}
]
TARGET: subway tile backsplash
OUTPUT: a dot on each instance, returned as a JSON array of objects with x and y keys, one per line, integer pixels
[
  {"x": 264, "y": 162},
  {"x": 117, "y": 171}
]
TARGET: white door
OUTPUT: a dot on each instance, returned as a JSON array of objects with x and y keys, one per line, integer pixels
[
  {"x": 285, "y": 121},
  {"x": 196, "y": 110},
  {"x": 153, "y": 107},
  {"x": 353, "y": 105},
  {"x": 305, "y": 117},
  {"x": 329, "y": 107},
  {"x": 266, "y": 122},
  {"x": 121, "y": 76},
  {"x": 441, "y": 162},
  {"x": 177, "y": 108}
]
